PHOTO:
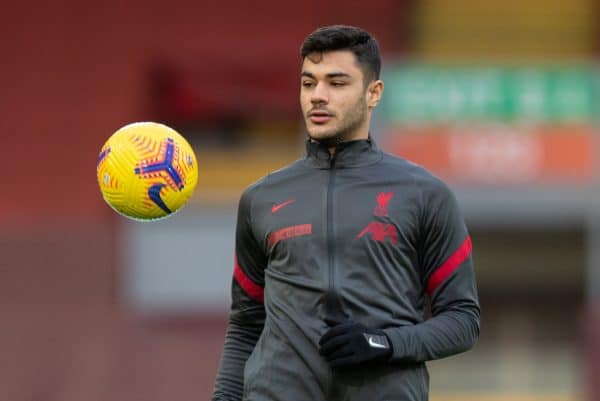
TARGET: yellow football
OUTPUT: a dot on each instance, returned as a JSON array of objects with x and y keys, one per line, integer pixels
[{"x": 146, "y": 171}]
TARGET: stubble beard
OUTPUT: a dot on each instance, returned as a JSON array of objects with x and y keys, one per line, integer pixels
[{"x": 347, "y": 128}]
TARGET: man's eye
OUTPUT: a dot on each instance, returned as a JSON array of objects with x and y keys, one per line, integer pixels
[
  {"x": 338, "y": 83},
  {"x": 307, "y": 84}
]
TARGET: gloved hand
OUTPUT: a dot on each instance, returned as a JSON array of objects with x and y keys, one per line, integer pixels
[{"x": 350, "y": 343}]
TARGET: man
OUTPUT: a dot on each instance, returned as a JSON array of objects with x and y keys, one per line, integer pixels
[{"x": 337, "y": 253}]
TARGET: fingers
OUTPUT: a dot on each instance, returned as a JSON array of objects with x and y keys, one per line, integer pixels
[
  {"x": 350, "y": 343},
  {"x": 335, "y": 331},
  {"x": 332, "y": 344},
  {"x": 332, "y": 321},
  {"x": 341, "y": 352}
]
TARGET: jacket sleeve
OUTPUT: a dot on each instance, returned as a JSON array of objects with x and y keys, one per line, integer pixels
[
  {"x": 247, "y": 315},
  {"x": 448, "y": 278}
]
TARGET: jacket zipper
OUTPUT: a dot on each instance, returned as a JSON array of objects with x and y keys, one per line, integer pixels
[{"x": 331, "y": 296}]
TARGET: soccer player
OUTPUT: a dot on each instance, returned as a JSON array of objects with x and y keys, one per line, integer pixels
[{"x": 337, "y": 253}]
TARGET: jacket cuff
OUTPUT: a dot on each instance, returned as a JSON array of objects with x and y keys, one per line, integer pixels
[{"x": 397, "y": 337}]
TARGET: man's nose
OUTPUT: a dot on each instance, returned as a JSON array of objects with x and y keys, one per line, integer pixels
[{"x": 320, "y": 94}]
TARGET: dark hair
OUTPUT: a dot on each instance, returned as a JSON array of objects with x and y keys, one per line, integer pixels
[{"x": 344, "y": 37}]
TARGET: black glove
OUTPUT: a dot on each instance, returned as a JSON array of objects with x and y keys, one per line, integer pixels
[{"x": 350, "y": 343}]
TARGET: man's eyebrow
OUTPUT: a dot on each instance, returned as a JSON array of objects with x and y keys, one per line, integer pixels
[
  {"x": 331, "y": 75},
  {"x": 338, "y": 75}
]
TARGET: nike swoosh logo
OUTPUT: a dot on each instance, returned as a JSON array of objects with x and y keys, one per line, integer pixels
[
  {"x": 278, "y": 207},
  {"x": 154, "y": 195},
  {"x": 375, "y": 344}
]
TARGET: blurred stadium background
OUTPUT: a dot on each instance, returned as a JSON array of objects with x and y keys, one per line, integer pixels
[{"x": 498, "y": 97}]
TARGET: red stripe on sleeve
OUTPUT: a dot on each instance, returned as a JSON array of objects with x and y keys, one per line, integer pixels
[
  {"x": 254, "y": 290},
  {"x": 451, "y": 264}
]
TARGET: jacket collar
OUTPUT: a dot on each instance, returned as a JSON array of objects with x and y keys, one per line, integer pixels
[{"x": 356, "y": 153}]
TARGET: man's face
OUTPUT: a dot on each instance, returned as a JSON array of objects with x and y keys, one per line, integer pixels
[{"x": 334, "y": 98}]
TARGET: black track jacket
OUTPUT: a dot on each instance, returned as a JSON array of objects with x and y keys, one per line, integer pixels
[{"x": 360, "y": 235}]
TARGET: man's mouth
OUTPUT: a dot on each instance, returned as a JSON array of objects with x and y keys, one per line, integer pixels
[{"x": 319, "y": 117}]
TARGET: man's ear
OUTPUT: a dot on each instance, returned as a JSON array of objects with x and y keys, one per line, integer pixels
[{"x": 374, "y": 92}]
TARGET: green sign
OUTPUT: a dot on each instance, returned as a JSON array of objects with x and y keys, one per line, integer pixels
[{"x": 424, "y": 94}]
